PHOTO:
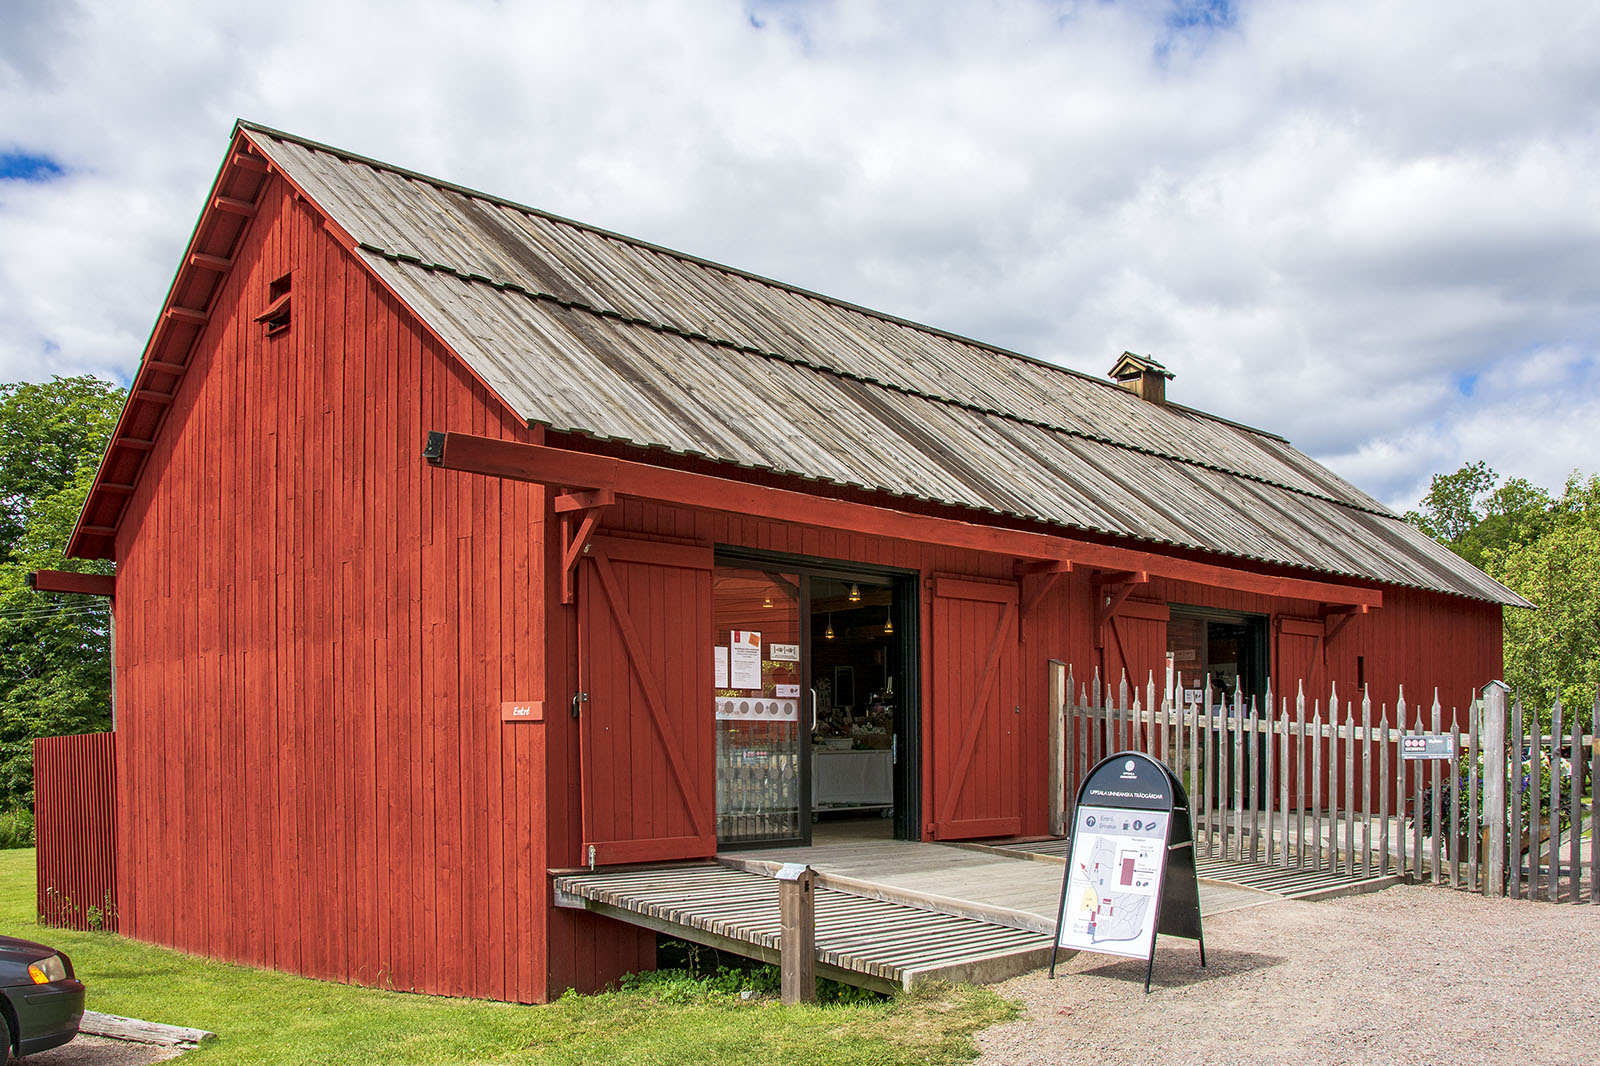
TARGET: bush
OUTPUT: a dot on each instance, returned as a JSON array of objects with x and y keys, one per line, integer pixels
[
  {"x": 1535, "y": 792},
  {"x": 16, "y": 828}
]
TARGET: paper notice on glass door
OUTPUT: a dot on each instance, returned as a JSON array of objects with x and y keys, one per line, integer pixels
[
  {"x": 744, "y": 659},
  {"x": 719, "y": 658}
]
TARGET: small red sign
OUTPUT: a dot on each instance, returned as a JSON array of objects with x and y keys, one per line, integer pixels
[{"x": 522, "y": 711}]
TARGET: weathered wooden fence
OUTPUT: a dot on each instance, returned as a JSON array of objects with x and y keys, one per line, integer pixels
[{"x": 1308, "y": 783}]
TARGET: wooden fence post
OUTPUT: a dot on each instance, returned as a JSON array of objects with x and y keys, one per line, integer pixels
[
  {"x": 1594, "y": 801},
  {"x": 797, "y": 937},
  {"x": 1059, "y": 686},
  {"x": 1492, "y": 730}
]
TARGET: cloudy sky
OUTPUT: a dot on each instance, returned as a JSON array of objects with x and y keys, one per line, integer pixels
[{"x": 1372, "y": 227}]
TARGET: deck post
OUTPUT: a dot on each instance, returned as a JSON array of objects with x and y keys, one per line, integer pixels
[
  {"x": 797, "y": 944},
  {"x": 1059, "y": 688}
]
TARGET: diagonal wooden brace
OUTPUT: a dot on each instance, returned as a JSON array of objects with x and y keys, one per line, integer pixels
[{"x": 580, "y": 514}]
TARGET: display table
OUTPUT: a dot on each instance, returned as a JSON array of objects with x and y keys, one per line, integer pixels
[{"x": 843, "y": 779}]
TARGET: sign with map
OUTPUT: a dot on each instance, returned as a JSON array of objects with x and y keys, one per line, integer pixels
[
  {"x": 1118, "y": 860},
  {"x": 1131, "y": 872}
]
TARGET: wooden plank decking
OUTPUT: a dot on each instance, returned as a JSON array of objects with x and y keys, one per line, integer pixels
[
  {"x": 1290, "y": 882},
  {"x": 862, "y": 940}
]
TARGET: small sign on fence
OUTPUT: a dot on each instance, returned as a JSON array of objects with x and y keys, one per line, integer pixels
[{"x": 1428, "y": 746}]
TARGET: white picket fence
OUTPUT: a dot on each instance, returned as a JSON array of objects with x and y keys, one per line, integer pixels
[{"x": 1313, "y": 784}]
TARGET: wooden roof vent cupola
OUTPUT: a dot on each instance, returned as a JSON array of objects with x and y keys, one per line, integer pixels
[{"x": 1142, "y": 376}]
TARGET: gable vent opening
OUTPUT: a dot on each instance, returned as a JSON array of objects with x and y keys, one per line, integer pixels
[{"x": 276, "y": 316}]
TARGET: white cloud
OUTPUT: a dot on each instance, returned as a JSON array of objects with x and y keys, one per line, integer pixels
[{"x": 1370, "y": 227}]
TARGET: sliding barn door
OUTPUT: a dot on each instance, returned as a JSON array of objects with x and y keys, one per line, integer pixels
[
  {"x": 1299, "y": 660},
  {"x": 646, "y": 729},
  {"x": 1135, "y": 642},
  {"x": 974, "y": 722}
]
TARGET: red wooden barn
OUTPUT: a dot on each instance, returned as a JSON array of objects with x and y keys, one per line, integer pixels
[{"x": 457, "y": 542}]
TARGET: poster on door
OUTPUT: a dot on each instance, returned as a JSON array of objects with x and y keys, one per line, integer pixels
[{"x": 744, "y": 660}]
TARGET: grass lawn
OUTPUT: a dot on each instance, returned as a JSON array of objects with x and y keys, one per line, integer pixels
[{"x": 264, "y": 1017}]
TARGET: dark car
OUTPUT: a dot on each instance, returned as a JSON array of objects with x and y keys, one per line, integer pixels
[{"x": 41, "y": 1002}]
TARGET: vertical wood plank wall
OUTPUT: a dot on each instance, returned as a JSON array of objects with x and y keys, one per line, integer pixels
[
  {"x": 315, "y": 631},
  {"x": 75, "y": 830}
]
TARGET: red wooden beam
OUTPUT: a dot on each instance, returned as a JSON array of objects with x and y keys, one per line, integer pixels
[
  {"x": 234, "y": 207},
  {"x": 579, "y": 471},
  {"x": 78, "y": 584},
  {"x": 211, "y": 262},
  {"x": 188, "y": 314}
]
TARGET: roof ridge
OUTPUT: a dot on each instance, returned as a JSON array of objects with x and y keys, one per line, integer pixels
[
  {"x": 724, "y": 268},
  {"x": 795, "y": 360}
]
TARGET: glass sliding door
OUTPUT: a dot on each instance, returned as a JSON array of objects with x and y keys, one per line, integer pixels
[{"x": 756, "y": 656}]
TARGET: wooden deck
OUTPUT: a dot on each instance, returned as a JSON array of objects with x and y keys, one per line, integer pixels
[
  {"x": 861, "y": 939},
  {"x": 1216, "y": 875},
  {"x": 890, "y": 914}
]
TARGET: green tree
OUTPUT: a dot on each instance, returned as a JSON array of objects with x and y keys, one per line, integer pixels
[
  {"x": 54, "y": 649},
  {"x": 1544, "y": 547},
  {"x": 1555, "y": 650},
  {"x": 1471, "y": 515}
]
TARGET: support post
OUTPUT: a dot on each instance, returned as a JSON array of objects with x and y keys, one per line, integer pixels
[
  {"x": 1493, "y": 730},
  {"x": 797, "y": 938},
  {"x": 1058, "y": 748}
]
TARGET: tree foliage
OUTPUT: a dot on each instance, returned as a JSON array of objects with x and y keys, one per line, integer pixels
[
  {"x": 1548, "y": 549},
  {"x": 55, "y": 673}
]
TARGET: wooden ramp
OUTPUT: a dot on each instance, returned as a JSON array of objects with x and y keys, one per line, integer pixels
[{"x": 862, "y": 939}]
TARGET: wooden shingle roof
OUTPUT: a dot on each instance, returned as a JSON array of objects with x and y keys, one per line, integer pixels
[{"x": 590, "y": 332}]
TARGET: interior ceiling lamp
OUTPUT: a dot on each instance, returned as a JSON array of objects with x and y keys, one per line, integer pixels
[
  {"x": 827, "y": 634},
  {"x": 855, "y": 592},
  {"x": 767, "y": 603},
  {"x": 888, "y": 622}
]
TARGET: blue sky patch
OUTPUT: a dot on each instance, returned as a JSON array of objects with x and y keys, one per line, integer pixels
[
  {"x": 25, "y": 166},
  {"x": 1466, "y": 384},
  {"x": 1201, "y": 14}
]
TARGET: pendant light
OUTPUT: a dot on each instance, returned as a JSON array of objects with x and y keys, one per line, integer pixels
[
  {"x": 855, "y": 593},
  {"x": 767, "y": 603},
  {"x": 888, "y": 622},
  {"x": 827, "y": 634}
]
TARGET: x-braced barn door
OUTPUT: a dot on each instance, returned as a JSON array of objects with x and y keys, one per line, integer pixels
[
  {"x": 975, "y": 724},
  {"x": 645, "y": 705}
]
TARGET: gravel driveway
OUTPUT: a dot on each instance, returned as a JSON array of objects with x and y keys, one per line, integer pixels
[{"x": 1412, "y": 974}]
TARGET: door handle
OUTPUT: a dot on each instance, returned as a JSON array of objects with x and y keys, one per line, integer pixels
[
  {"x": 578, "y": 698},
  {"x": 813, "y": 710}
]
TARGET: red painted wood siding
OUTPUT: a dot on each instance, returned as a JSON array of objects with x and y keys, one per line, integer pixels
[
  {"x": 973, "y": 710},
  {"x": 1135, "y": 650},
  {"x": 75, "y": 830},
  {"x": 315, "y": 632},
  {"x": 646, "y": 764}
]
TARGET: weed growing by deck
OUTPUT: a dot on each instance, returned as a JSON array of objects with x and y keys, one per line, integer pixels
[{"x": 671, "y": 1017}]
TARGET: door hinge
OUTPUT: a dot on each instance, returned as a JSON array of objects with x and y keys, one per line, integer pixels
[{"x": 578, "y": 698}]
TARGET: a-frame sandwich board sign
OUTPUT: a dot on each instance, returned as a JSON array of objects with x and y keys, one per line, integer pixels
[{"x": 1131, "y": 872}]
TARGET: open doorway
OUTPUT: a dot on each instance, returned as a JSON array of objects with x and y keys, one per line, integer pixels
[
  {"x": 1213, "y": 659},
  {"x": 856, "y": 657},
  {"x": 816, "y": 702}
]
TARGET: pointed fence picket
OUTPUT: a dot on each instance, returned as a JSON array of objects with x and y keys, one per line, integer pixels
[{"x": 1322, "y": 785}]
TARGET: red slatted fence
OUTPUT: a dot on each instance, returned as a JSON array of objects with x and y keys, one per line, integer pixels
[{"x": 75, "y": 829}]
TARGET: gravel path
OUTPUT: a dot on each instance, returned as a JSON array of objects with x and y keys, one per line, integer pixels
[{"x": 1412, "y": 974}]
